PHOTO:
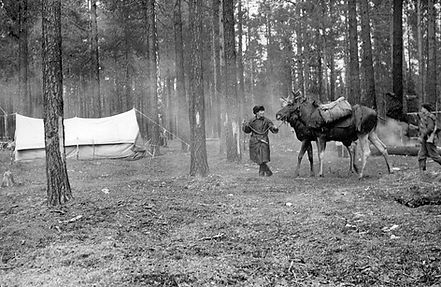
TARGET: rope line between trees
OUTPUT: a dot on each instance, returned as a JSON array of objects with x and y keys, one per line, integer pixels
[{"x": 153, "y": 121}]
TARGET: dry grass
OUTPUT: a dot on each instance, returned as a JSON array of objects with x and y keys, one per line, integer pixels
[{"x": 155, "y": 226}]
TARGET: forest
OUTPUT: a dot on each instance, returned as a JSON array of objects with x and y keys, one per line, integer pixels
[
  {"x": 117, "y": 55},
  {"x": 193, "y": 70}
]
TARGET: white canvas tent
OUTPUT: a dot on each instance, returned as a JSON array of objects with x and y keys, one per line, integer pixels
[{"x": 92, "y": 138}]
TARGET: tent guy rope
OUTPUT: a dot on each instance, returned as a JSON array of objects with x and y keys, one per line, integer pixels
[{"x": 153, "y": 121}]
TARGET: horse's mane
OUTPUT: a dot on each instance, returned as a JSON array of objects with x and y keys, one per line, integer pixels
[{"x": 309, "y": 113}]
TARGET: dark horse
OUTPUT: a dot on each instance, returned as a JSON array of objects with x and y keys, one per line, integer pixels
[
  {"x": 303, "y": 115},
  {"x": 305, "y": 135}
]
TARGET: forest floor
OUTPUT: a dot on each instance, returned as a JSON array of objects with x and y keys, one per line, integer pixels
[{"x": 147, "y": 223}]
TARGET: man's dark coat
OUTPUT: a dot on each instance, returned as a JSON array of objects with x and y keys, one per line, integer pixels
[{"x": 259, "y": 141}]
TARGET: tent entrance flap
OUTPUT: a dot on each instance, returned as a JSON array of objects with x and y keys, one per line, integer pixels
[{"x": 111, "y": 137}]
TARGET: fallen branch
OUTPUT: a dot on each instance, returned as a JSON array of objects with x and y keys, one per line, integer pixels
[
  {"x": 58, "y": 211},
  {"x": 214, "y": 237},
  {"x": 71, "y": 220},
  {"x": 400, "y": 150}
]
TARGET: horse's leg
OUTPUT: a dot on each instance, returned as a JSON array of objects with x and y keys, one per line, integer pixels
[
  {"x": 311, "y": 159},
  {"x": 375, "y": 140},
  {"x": 321, "y": 146},
  {"x": 365, "y": 152},
  {"x": 300, "y": 156},
  {"x": 351, "y": 152}
]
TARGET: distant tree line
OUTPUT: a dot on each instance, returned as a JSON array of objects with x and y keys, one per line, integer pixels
[{"x": 138, "y": 53}]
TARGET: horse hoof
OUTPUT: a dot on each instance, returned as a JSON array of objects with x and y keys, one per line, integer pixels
[{"x": 312, "y": 174}]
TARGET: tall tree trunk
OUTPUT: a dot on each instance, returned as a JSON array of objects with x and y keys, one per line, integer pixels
[
  {"x": 183, "y": 126},
  {"x": 251, "y": 99},
  {"x": 146, "y": 108},
  {"x": 369, "y": 97},
  {"x": 431, "y": 92},
  {"x": 95, "y": 63},
  {"x": 153, "y": 75},
  {"x": 23, "y": 62},
  {"x": 421, "y": 88},
  {"x": 198, "y": 154},
  {"x": 126, "y": 99},
  {"x": 58, "y": 187},
  {"x": 222, "y": 92},
  {"x": 397, "y": 60},
  {"x": 331, "y": 56},
  {"x": 299, "y": 42},
  {"x": 216, "y": 66},
  {"x": 241, "y": 76},
  {"x": 171, "y": 111},
  {"x": 319, "y": 67},
  {"x": 354, "y": 70},
  {"x": 287, "y": 70},
  {"x": 231, "y": 114},
  {"x": 271, "y": 66},
  {"x": 347, "y": 61}
]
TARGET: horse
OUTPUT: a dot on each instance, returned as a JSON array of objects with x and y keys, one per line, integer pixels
[
  {"x": 360, "y": 125},
  {"x": 306, "y": 136}
]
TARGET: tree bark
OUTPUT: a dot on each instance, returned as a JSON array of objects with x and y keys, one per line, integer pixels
[
  {"x": 198, "y": 150},
  {"x": 171, "y": 105},
  {"x": 95, "y": 63},
  {"x": 320, "y": 58},
  {"x": 153, "y": 75},
  {"x": 431, "y": 91},
  {"x": 221, "y": 82},
  {"x": 369, "y": 96},
  {"x": 421, "y": 88},
  {"x": 23, "y": 62},
  {"x": 270, "y": 47},
  {"x": 231, "y": 114},
  {"x": 146, "y": 98},
  {"x": 354, "y": 70},
  {"x": 287, "y": 70},
  {"x": 241, "y": 76},
  {"x": 58, "y": 187},
  {"x": 216, "y": 66},
  {"x": 299, "y": 43},
  {"x": 240, "y": 68},
  {"x": 183, "y": 126},
  {"x": 397, "y": 59},
  {"x": 331, "y": 57}
]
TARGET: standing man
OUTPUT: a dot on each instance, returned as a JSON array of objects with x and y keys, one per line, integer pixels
[
  {"x": 259, "y": 141},
  {"x": 428, "y": 136}
]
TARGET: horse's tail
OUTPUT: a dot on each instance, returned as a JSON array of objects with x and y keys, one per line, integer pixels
[{"x": 366, "y": 119}]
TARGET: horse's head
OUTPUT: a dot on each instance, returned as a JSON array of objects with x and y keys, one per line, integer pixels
[
  {"x": 290, "y": 107},
  {"x": 294, "y": 97}
]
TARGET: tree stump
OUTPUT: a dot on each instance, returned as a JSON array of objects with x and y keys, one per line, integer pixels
[{"x": 8, "y": 179}]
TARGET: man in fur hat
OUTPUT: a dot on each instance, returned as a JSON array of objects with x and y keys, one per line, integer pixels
[
  {"x": 259, "y": 141},
  {"x": 427, "y": 136}
]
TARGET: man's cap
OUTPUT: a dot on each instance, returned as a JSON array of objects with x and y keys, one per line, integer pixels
[
  {"x": 428, "y": 107},
  {"x": 257, "y": 109}
]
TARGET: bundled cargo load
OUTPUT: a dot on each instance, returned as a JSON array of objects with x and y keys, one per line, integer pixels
[{"x": 335, "y": 110}]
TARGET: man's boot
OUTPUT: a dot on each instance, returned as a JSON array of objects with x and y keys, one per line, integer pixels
[
  {"x": 267, "y": 170},
  {"x": 262, "y": 170}
]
